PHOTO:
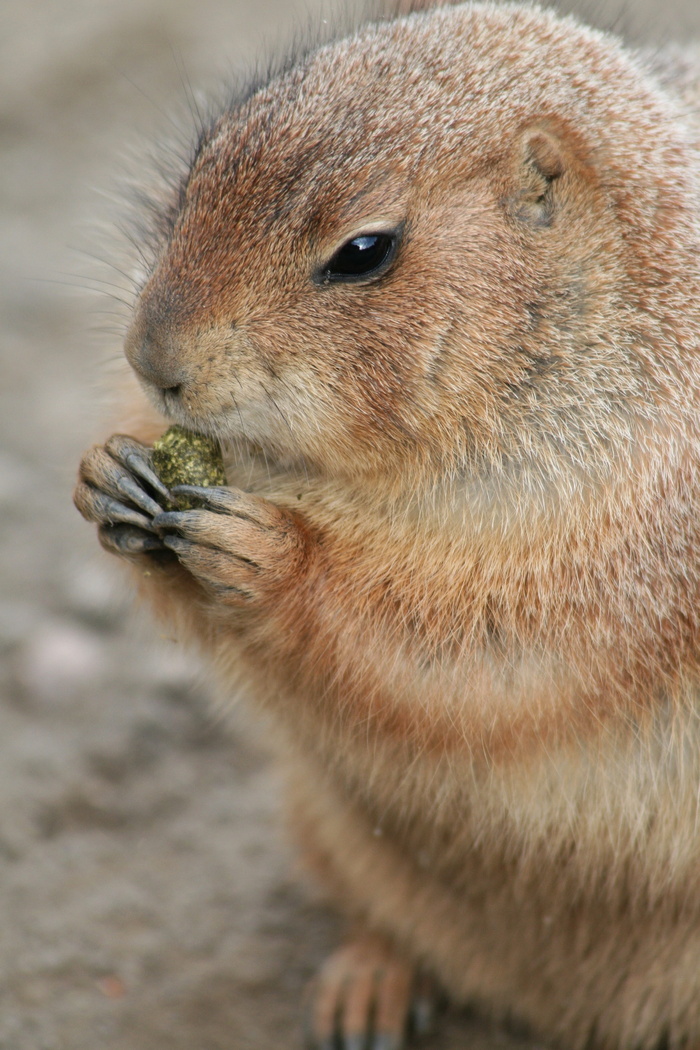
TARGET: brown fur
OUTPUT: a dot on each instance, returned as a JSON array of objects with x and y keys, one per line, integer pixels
[{"x": 481, "y": 653}]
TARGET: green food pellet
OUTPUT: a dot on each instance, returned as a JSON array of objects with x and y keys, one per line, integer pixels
[{"x": 181, "y": 457}]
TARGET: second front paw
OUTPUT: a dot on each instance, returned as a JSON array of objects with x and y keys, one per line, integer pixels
[{"x": 239, "y": 546}]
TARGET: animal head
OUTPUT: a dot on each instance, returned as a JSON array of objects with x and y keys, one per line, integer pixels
[{"x": 436, "y": 245}]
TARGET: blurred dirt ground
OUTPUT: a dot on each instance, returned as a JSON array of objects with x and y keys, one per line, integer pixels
[{"x": 147, "y": 894}]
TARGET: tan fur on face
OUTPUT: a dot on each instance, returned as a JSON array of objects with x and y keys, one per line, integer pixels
[{"x": 483, "y": 666}]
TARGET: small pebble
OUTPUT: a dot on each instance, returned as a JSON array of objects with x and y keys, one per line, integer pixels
[
  {"x": 112, "y": 987},
  {"x": 58, "y": 660}
]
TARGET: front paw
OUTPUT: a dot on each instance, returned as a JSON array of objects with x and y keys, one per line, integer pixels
[
  {"x": 119, "y": 491},
  {"x": 239, "y": 546}
]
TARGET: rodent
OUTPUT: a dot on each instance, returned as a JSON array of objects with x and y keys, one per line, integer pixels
[{"x": 436, "y": 290}]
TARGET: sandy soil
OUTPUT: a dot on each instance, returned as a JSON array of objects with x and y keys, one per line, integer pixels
[{"x": 148, "y": 896}]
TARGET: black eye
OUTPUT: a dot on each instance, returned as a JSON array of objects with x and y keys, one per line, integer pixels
[{"x": 361, "y": 259}]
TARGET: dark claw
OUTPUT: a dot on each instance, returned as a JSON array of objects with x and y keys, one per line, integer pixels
[
  {"x": 128, "y": 487},
  {"x": 127, "y": 540},
  {"x": 114, "y": 512},
  {"x": 144, "y": 471},
  {"x": 214, "y": 497},
  {"x": 138, "y": 459},
  {"x": 354, "y": 1042},
  {"x": 386, "y": 1041},
  {"x": 177, "y": 544},
  {"x": 423, "y": 1015},
  {"x": 172, "y": 519}
]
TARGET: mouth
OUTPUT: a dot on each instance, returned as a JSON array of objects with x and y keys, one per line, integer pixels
[
  {"x": 172, "y": 403},
  {"x": 171, "y": 399},
  {"x": 256, "y": 422}
]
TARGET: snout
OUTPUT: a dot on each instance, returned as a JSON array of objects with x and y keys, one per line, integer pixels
[{"x": 156, "y": 353}]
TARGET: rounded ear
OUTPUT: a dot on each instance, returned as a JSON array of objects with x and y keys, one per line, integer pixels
[{"x": 540, "y": 160}]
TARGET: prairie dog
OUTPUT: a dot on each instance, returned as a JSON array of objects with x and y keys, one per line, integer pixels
[{"x": 436, "y": 290}]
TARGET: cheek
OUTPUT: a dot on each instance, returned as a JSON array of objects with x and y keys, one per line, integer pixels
[{"x": 470, "y": 266}]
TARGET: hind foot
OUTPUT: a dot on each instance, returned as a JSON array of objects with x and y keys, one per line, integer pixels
[{"x": 366, "y": 997}]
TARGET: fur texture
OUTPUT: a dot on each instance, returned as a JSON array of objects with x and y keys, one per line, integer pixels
[{"x": 476, "y": 623}]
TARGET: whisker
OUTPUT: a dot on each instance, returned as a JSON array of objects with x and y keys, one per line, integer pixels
[
  {"x": 286, "y": 422},
  {"x": 159, "y": 109},
  {"x": 103, "y": 262},
  {"x": 81, "y": 287},
  {"x": 190, "y": 96},
  {"x": 237, "y": 407},
  {"x": 83, "y": 278},
  {"x": 277, "y": 408}
]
